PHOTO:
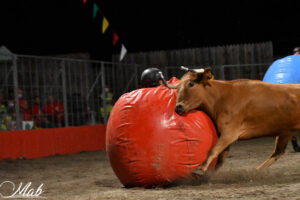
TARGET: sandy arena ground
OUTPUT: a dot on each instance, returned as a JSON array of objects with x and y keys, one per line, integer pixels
[{"x": 89, "y": 176}]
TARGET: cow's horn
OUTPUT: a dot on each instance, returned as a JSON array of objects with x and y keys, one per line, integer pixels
[
  {"x": 192, "y": 70},
  {"x": 184, "y": 68},
  {"x": 198, "y": 70},
  {"x": 166, "y": 83}
]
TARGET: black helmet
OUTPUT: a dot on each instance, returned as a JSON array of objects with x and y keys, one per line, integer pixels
[
  {"x": 297, "y": 49},
  {"x": 150, "y": 77}
]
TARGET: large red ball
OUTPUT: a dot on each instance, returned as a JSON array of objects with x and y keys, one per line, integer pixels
[{"x": 148, "y": 144}]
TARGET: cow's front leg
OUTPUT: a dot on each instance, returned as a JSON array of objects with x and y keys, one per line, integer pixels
[
  {"x": 224, "y": 141},
  {"x": 221, "y": 158}
]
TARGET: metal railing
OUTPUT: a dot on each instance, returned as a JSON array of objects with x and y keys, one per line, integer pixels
[
  {"x": 242, "y": 71},
  {"x": 46, "y": 92},
  {"x": 227, "y": 72}
]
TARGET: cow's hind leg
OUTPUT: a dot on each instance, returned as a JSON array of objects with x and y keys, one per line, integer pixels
[{"x": 280, "y": 146}]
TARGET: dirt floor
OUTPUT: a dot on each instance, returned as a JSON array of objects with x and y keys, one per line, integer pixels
[{"x": 89, "y": 176}]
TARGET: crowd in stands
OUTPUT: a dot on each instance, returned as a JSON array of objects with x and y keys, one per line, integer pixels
[{"x": 49, "y": 114}]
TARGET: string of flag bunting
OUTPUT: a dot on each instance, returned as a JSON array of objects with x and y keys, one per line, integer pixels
[{"x": 105, "y": 25}]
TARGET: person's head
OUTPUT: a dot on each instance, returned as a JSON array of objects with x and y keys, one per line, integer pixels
[
  {"x": 296, "y": 51},
  {"x": 20, "y": 93},
  {"x": 37, "y": 100},
  {"x": 107, "y": 88},
  {"x": 50, "y": 99},
  {"x": 11, "y": 103},
  {"x": 151, "y": 78}
]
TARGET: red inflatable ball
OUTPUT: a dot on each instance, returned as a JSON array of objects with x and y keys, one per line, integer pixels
[{"x": 148, "y": 144}]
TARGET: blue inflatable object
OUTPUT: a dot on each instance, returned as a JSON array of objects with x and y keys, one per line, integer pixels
[{"x": 284, "y": 70}]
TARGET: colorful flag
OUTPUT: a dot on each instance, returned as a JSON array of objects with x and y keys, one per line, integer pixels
[
  {"x": 95, "y": 10},
  {"x": 105, "y": 24},
  {"x": 115, "y": 38},
  {"x": 123, "y": 52},
  {"x": 84, "y": 1}
]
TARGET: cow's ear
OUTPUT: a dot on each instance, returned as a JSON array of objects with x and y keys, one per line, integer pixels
[
  {"x": 204, "y": 77},
  {"x": 207, "y": 73},
  {"x": 199, "y": 77}
]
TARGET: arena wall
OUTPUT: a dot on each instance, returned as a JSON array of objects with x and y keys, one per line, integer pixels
[{"x": 39, "y": 143}]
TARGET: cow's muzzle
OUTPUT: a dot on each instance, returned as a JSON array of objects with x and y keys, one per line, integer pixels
[{"x": 179, "y": 109}]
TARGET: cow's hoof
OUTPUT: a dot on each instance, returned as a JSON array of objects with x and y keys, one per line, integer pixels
[
  {"x": 199, "y": 178},
  {"x": 196, "y": 176},
  {"x": 202, "y": 168}
]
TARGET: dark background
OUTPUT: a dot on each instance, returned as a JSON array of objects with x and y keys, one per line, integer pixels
[{"x": 49, "y": 27}]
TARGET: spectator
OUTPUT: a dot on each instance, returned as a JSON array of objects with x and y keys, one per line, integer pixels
[
  {"x": 5, "y": 118},
  {"x": 2, "y": 104},
  {"x": 296, "y": 51},
  {"x": 37, "y": 115},
  {"x": 60, "y": 115},
  {"x": 109, "y": 107},
  {"x": 108, "y": 94},
  {"x": 24, "y": 107},
  {"x": 11, "y": 105},
  {"x": 52, "y": 112},
  {"x": 5, "y": 121},
  {"x": 22, "y": 101},
  {"x": 109, "y": 103},
  {"x": 26, "y": 113},
  {"x": 11, "y": 109}
]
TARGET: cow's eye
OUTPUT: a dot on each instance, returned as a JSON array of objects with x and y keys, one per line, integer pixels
[{"x": 191, "y": 84}]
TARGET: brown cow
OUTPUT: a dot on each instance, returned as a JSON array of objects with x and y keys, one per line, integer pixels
[{"x": 241, "y": 109}]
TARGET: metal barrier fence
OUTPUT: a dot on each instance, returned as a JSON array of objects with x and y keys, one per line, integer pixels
[
  {"x": 46, "y": 92},
  {"x": 243, "y": 71},
  {"x": 227, "y": 72}
]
